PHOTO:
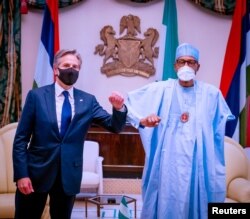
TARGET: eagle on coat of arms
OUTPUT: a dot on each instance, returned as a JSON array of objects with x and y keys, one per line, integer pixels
[{"x": 128, "y": 55}]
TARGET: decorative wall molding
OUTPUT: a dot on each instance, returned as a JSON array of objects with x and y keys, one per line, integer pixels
[
  {"x": 225, "y": 7},
  {"x": 62, "y": 3}
]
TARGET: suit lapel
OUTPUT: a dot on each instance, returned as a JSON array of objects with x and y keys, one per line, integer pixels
[
  {"x": 49, "y": 96},
  {"x": 78, "y": 103},
  {"x": 51, "y": 107}
]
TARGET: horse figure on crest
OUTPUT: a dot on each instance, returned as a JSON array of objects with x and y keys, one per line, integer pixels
[
  {"x": 147, "y": 51},
  {"x": 110, "y": 47}
]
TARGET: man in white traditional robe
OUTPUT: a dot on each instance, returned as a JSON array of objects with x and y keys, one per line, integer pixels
[{"x": 184, "y": 151}]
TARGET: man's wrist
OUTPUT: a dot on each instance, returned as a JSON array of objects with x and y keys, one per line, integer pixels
[
  {"x": 141, "y": 126},
  {"x": 122, "y": 109}
]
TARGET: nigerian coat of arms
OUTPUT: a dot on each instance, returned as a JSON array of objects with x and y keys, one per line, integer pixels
[{"x": 128, "y": 55}]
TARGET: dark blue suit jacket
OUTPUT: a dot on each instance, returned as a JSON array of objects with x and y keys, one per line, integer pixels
[{"x": 39, "y": 151}]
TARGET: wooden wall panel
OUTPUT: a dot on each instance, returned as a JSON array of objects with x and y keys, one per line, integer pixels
[{"x": 123, "y": 153}]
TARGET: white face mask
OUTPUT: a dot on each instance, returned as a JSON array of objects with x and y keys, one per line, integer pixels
[{"x": 186, "y": 73}]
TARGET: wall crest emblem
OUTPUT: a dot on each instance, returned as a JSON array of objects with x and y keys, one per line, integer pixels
[{"x": 128, "y": 55}]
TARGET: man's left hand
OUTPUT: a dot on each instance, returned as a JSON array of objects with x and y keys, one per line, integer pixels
[{"x": 117, "y": 100}]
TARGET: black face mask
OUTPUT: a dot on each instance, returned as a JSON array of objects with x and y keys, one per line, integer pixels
[{"x": 68, "y": 76}]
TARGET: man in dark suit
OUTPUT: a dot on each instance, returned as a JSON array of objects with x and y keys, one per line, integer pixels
[{"x": 47, "y": 150}]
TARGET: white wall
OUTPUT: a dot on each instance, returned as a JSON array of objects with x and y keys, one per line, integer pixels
[{"x": 80, "y": 25}]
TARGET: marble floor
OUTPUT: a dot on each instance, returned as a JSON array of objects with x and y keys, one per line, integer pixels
[{"x": 107, "y": 211}]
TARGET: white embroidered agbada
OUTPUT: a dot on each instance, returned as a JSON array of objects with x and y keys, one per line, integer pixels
[{"x": 184, "y": 164}]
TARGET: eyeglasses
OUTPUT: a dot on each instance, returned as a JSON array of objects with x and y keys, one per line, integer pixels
[{"x": 190, "y": 63}]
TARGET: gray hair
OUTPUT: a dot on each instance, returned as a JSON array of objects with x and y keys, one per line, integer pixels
[{"x": 64, "y": 52}]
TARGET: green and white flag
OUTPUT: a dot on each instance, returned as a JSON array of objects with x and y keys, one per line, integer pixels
[
  {"x": 123, "y": 209},
  {"x": 169, "y": 41}
]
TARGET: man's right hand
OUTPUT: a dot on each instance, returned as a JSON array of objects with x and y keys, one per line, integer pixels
[
  {"x": 25, "y": 186},
  {"x": 150, "y": 121}
]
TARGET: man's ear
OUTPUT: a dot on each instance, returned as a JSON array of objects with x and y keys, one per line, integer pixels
[
  {"x": 55, "y": 70},
  {"x": 198, "y": 67}
]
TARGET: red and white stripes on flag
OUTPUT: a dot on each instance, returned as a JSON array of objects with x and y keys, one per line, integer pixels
[
  {"x": 49, "y": 45},
  {"x": 235, "y": 81}
]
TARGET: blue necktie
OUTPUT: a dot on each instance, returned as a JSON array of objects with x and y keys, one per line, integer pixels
[{"x": 66, "y": 114}]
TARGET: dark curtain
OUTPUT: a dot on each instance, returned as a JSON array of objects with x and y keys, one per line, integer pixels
[{"x": 10, "y": 75}]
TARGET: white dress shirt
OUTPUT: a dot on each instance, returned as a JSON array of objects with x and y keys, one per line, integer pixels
[{"x": 59, "y": 102}]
